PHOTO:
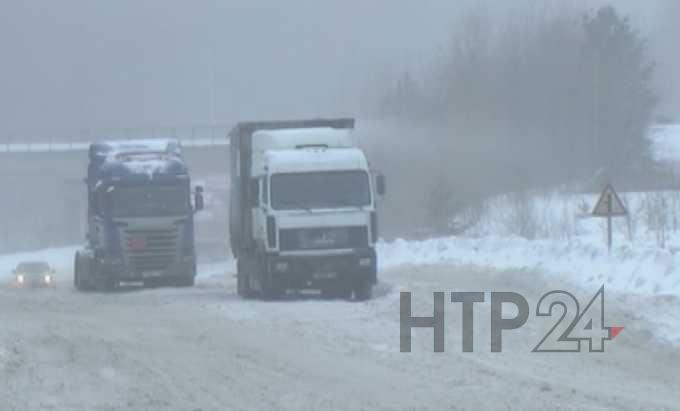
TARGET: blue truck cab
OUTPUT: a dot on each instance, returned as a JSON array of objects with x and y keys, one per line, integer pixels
[{"x": 140, "y": 218}]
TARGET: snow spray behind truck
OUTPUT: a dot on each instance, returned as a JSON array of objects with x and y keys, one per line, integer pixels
[
  {"x": 140, "y": 221},
  {"x": 302, "y": 209}
]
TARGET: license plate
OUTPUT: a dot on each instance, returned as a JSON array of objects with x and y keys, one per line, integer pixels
[
  {"x": 152, "y": 274},
  {"x": 325, "y": 276}
]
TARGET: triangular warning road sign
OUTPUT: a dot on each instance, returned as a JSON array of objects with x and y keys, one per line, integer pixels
[{"x": 609, "y": 204}]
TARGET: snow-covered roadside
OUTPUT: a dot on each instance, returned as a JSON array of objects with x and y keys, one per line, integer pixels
[
  {"x": 644, "y": 270},
  {"x": 639, "y": 273}
]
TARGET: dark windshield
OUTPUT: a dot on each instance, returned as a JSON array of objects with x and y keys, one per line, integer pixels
[
  {"x": 33, "y": 268},
  {"x": 149, "y": 201},
  {"x": 320, "y": 190}
]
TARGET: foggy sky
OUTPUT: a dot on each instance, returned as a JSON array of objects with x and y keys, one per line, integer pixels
[{"x": 88, "y": 64}]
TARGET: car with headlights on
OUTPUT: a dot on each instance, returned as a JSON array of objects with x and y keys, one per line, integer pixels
[{"x": 34, "y": 274}]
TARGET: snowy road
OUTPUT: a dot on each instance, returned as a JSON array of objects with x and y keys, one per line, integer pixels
[{"x": 205, "y": 349}]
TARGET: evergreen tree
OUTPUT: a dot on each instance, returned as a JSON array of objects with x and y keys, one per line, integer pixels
[{"x": 622, "y": 101}]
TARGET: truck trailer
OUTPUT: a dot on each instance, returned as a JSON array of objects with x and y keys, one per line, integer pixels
[
  {"x": 140, "y": 220},
  {"x": 303, "y": 209}
]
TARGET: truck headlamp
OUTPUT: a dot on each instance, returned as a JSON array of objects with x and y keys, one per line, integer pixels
[
  {"x": 48, "y": 279},
  {"x": 365, "y": 262},
  {"x": 20, "y": 278}
]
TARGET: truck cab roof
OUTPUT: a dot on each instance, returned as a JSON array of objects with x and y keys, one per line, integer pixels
[
  {"x": 145, "y": 166},
  {"x": 135, "y": 161},
  {"x": 315, "y": 159},
  {"x": 293, "y": 138},
  {"x": 102, "y": 150}
]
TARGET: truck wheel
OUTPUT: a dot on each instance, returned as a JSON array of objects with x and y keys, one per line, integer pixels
[
  {"x": 363, "y": 289},
  {"x": 152, "y": 283},
  {"x": 76, "y": 283},
  {"x": 338, "y": 291},
  {"x": 269, "y": 289},
  {"x": 106, "y": 284},
  {"x": 187, "y": 281},
  {"x": 243, "y": 282},
  {"x": 81, "y": 273}
]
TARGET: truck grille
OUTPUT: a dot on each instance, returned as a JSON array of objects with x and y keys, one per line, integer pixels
[
  {"x": 150, "y": 249},
  {"x": 323, "y": 238}
]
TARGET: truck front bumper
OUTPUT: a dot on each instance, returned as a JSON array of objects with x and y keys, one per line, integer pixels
[
  {"x": 318, "y": 270},
  {"x": 185, "y": 267}
]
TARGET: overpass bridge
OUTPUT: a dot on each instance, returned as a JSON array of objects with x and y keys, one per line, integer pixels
[{"x": 41, "y": 141}]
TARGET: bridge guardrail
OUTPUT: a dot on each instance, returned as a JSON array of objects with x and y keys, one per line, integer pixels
[{"x": 197, "y": 136}]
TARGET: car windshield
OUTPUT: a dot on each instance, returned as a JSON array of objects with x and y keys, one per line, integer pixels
[
  {"x": 149, "y": 201},
  {"x": 33, "y": 267},
  {"x": 320, "y": 190}
]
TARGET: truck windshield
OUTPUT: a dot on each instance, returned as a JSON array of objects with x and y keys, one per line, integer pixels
[
  {"x": 320, "y": 190},
  {"x": 149, "y": 201}
]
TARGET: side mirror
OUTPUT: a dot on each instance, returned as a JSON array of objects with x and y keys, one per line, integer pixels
[
  {"x": 380, "y": 184},
  {"x": 198, "y": 198}
]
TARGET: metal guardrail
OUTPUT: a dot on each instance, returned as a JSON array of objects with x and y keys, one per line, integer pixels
[
  {"x": 193, "y": 136},
  {"x": 48, "y": 147}
]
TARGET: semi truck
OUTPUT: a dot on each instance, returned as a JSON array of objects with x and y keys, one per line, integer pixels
[
  {"x": 140, "y": 220},
  {"x": 303, "y": 209}
]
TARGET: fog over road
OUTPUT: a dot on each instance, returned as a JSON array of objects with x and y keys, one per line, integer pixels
[{"x": 203, "y": 348}]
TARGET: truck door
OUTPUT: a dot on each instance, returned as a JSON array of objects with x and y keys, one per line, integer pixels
[{"x": 259, "y": 211}]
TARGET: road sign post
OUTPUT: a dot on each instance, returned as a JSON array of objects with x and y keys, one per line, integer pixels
[
  {"x": 609, "y": 223},
  {"x": 609, "y": 205}
]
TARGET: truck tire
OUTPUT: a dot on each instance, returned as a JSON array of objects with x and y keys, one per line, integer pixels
[
  {"x": 96, "y": 280},
  {"x": 106, "y": 284},
  {"x": 337, "y": 291},
  {"x": 243, "y": 282},
  {"x": 155, "y": 282},
  {"x": 76, "y": 283},
  {"x": 363, "y": 289},
  {"x": 187, "y": 281},
  {"x": 270, "y": 290},
  {"x": 81, "y": 273}
]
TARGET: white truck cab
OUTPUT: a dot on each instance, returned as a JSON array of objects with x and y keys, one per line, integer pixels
[{"x": 310, "y": 217}]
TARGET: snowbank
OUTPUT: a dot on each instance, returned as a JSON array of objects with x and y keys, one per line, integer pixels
[
  {"x": 641, "y": 269},
  {"x": 666, "y": 142},
  {"x": 645, "y": 259}
]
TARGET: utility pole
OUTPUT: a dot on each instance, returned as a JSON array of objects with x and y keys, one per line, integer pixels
[
  {"x": 211, "y": 78},
  {"x": 609, "y": 222},
  {"x": 212, "y": 10}
]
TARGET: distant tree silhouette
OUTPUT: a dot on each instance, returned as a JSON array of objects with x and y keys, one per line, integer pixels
[{"x": 622, "y": 102}]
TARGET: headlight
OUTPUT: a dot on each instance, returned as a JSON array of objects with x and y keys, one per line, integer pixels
[
  {"x": 365, "y": 262},
  {"x": 281, "y": 266},
  {"x": 48, "y": 279},
  {"x": 20, "y": 278}
]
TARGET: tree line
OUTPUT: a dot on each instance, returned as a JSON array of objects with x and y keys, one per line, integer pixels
[{"x": 533, "y": 102}]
